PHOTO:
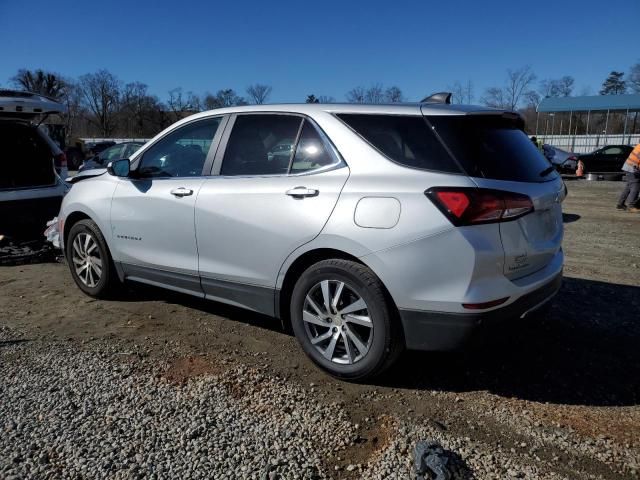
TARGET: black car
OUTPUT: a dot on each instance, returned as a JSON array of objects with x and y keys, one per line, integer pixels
[{"x": 606, "y": 159}]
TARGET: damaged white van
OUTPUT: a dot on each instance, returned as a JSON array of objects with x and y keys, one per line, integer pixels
[{"x": 32, "y": 166}]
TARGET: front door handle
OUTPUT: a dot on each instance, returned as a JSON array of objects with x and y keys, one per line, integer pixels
[
  {"x": 181, "y": 192},
  {"x": 300, "y": 192}
]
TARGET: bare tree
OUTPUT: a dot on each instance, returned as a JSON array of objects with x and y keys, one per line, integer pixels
[
  {"x": 561, "y": 87},
  {"x": 101, "y": 96},
  {"x": 139, "y": 109},
  {"x": 508, "y": 97},
  {"x": 518, "y": 83},
  {"x": 326, "y": 99},
  {"x": 356, "y": 95},
  {"x": 393, "y": 94},
  {"x": 494, "y": 97},
  {"x": 182, "y": 104},
  {"x": 532, "y": 99},
  {"x": 375, "y": 94},
  {"x": 462, "y": 93},
  {"x": 634, "y": 78},
  {"x": 258, "y": 93},
  {"x": 39, "y": 81},
  {"x": 72, "y": 98},
  {"x": 223, "y": 98}
]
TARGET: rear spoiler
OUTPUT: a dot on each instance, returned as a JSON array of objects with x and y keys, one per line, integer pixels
[{"x": 510, "y": 115}]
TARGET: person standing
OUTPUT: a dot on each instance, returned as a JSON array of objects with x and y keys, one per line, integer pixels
[{"x": 628, "y": 199}]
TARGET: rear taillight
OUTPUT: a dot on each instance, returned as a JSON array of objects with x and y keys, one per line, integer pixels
[
  {"x": 61, "y": 160},
  {"x": 472, "y": 206}
]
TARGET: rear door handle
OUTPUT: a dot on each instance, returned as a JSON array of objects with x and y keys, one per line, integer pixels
[
  {"x": 300, "y": 192},
  {"x": 181, "y": 192}
]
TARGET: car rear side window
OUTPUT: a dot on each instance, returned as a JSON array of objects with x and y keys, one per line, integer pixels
[
  {"x": 261, "y": 145},
  {"x": 404, "y": 139},
  {"x": 492, "y": 146},
  {"x": 313, "y": 152}
]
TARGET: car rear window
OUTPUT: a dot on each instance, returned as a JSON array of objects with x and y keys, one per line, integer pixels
[
  {"x": 404, "y": 139},
  {"x": 492, "y": 146},
  {"x": 26, "y": 159}
]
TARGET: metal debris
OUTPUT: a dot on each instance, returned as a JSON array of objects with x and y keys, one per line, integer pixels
[{"x": 22, "y": 253}]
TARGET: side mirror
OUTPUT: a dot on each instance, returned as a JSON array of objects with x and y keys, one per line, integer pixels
[{"x": 119, "y": 168}]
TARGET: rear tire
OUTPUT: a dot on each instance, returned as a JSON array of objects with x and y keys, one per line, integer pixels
[
  {"x": 344, "y": 321},
  {"x": 90, "y": 261}
]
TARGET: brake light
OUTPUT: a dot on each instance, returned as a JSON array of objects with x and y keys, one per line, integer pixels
[
  {"x": 61, "y": 160},
  {"x": 472, "y": 206}
]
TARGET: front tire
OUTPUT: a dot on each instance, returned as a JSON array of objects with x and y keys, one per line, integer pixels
[
  {"x": 344, "y": 321},
  {"x": 89, "y": 260}
]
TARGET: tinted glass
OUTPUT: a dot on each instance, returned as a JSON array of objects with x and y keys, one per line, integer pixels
[
  {"x": 260, "y": 145},
  {"x": 404, "y": 139},
  {"x": 493, "y": 147},
  {"x": 26, "y": 159},
  {"x": 182, "y": 153},
  {"x": 312, "y": 152}
]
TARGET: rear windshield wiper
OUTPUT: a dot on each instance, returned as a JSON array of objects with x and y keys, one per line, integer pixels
[{"x": 547, "y": 171}]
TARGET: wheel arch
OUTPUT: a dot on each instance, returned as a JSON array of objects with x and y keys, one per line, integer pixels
[
  {"x": 70, "y": 221},
  {"x": 73, "y": 218},
  {"x": 299, "y": 265}
]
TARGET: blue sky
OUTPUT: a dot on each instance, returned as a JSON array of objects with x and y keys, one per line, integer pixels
[{"x": 322, "y": 47}]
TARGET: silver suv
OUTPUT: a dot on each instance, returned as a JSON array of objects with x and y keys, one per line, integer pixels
[
  {"x": 381, "y": 228},
  {"x": 32, "y": 166}
]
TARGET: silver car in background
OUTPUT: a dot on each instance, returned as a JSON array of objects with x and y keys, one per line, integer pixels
[{"x": 367, "y": 228}]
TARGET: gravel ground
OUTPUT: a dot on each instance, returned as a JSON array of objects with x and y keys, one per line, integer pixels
[
  {"x": 163, "y": 386},
  {"x": 101, "y": 412}
]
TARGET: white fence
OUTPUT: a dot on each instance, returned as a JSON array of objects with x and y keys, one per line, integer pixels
[
  {"x": 588, "y": 143},
  {"x": 117, "y": 140}
]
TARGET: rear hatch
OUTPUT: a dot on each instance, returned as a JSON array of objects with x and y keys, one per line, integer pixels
[
  {"x": 495, "y": 152},
  {"x": 27, "y": 155},
  {"x": 26, "y": 159}
]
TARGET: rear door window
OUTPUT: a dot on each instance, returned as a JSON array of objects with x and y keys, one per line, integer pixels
[
  {"x": 492, "y": 146},
  {"x": 261, "y": 145},
  {"x": 26, "y": 159},
  {"x": 406, "y": 140}
]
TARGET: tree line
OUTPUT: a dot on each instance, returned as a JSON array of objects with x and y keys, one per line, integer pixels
[{"x": 100, "y": 104}]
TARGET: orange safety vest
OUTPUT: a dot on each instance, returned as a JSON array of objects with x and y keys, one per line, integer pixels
[{"x": 634, "y": 158}]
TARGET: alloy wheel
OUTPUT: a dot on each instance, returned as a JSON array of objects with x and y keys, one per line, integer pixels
[
  {"x": 86, "y": 259},
  {"x": 337, "y": 322}
]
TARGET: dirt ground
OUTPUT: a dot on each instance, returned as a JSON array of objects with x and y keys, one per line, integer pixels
[{"x": 576, "y": 372}]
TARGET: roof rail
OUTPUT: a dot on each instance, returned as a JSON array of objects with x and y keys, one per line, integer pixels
[{"x": 440, "y": 97}]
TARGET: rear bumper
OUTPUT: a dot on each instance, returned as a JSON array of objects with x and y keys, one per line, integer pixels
[{"x": 441, "y": 331}]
